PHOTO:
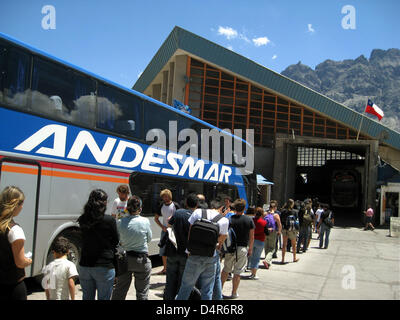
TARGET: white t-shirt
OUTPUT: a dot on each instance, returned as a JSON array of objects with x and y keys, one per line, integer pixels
[
  {"x": 119, "y": 208},
  {"x": 16, "y": 233},
  {"x": 166, "y": 212},
  {"x": 318, "y": 214},
  {"x": 211, "y": 214},
  {"x": 56, "y": 276}
]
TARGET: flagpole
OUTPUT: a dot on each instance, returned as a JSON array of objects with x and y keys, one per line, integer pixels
[{"x": 359, "y": 129}]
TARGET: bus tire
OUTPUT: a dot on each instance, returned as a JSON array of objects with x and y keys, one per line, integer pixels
[{"x": 75, "y": 239}]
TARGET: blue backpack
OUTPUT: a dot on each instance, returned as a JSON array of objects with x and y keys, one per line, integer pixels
[
  {"x": 230, "y": 243},
  {"x": 269, "y": 218}
]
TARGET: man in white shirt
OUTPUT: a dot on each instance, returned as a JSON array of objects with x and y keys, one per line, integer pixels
[
  {"x": 318, "y": 216},
  {"x": 166, "y": 211},
  {"x": 203, "y": 268}
]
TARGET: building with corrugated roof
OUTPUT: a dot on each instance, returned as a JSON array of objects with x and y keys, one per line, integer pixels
[{"x": 305, "y": 142}]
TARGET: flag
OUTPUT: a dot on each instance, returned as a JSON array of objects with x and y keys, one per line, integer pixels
[
  {"x": 372, "y": 108},
  {"x": 180, "y": 106}
]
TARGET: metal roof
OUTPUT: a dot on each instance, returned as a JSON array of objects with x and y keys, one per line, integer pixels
[{"x": 254, "y": 72}]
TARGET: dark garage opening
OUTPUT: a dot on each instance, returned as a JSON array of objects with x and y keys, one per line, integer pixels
[{"x": 335, "y": 176}]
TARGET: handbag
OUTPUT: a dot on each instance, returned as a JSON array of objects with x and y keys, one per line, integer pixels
[{"x": 120, "y": 261}]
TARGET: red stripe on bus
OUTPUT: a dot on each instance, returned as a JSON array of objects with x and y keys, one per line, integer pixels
[{"x": 53, "y": 165}]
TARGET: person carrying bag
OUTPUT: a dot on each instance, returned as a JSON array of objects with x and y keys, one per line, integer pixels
[{"x": 135, "y": 234}]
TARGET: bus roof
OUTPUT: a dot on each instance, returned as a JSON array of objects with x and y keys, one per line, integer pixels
[{"x": 100, "y": 78}]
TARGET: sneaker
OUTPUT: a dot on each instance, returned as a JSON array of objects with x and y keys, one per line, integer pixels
[
  {"x": 233, "y": 296},
  {"x": 253, "y": 277}
]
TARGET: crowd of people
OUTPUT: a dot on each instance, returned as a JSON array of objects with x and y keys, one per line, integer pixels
[{"x": 191, "y": 271}]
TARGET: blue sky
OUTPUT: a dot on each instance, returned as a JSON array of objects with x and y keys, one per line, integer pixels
[{"x": 117, "y": 39}]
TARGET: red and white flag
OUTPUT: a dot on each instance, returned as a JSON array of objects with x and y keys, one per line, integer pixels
[{"x": 372, "y": 108}]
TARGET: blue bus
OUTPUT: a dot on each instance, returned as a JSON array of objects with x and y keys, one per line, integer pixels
[{"x": 65, "y": 131}]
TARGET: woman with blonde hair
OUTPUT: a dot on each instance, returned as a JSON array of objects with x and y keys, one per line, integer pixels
[{"x": 12, "y": 253}]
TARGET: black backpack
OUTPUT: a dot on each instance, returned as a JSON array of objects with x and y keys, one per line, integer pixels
[
  {"x": 292, "y": 223},
  {"x": 203, "y": 236},
  {"x": 328, "y": 220}
]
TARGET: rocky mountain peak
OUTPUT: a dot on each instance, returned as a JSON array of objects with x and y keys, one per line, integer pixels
[{"x": 353, "y": 82}]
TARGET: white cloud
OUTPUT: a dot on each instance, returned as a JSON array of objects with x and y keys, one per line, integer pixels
[
  {"x": 243, "y": 37},
  {"x": 274, "y": 57},
  {"x": 228, "y": 32},
  {"x": 231, "y": 34},
  {"x": 261, "y": 41},
  {"x": 230, "y": 48},
  {"x": 310, "y": 28},
  {"x": 139, "y": 74}
]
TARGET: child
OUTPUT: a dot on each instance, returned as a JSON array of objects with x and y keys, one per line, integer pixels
[
  {"x": 118, "y": 209},
  {"x": 59, "y": 274}
]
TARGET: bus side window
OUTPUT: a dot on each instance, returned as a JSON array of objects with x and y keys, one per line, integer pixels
[
  {"x": 119, "y": 112},
  {"x": 3, "y": 59},
  {"x": 62, "y": 93},
  {"x": 85, "y": 101},
  {"x": 157, "y": 117},
  {"x": 15, "y": 77},
  {"x": 141, "y": 185}
]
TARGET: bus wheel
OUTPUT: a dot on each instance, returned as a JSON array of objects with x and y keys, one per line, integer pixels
[{"x": 75, "y": 240}]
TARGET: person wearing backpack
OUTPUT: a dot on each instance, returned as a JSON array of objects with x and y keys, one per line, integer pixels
[
  {"x": 203, "y": 255},
  {"x": 273, "y": 208},
  {"x": 235, "y": 262},
  {"x": 176, "y": 258},
  {"x": 306, "y": 217},
  {"x": 274, "y": 229},
  {"x": 326, "y": 223},
  {"x": 289, "y": 218}
]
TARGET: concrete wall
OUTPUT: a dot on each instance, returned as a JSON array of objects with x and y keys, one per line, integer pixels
[
  {"x": 264, "y": 162},
  {"x": 170, "y": 83}
]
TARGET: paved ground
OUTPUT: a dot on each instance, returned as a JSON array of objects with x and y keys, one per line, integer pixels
[{"x": 357, "y": 265}]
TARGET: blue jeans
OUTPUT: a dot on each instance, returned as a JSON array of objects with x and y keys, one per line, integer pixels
[
  {"x": 202, "y": 269},
  {"x": 324, "y": 231},
  {"x": 303, "y": 237},
  {"x": 100, "y": 278},
  {"x": 175, "y": 268},
  {"x": 217, "y": 292},
  {"x": 254, "y": 260}
]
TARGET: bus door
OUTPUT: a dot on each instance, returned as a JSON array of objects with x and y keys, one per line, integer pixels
[{"x": 24, "y": 174}]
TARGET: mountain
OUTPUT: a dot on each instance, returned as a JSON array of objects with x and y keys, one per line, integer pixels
[{"x": 353, "y": 82}]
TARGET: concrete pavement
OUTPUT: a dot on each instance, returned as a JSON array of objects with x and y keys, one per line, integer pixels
[{"x": 357, "y": 265}]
